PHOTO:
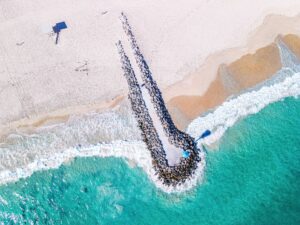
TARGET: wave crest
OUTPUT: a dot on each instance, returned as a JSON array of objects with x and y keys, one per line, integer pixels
[{"x": 21, "y": 155}]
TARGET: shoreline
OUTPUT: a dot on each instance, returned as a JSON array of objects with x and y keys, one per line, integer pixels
[
  {"x": 28, "y": 125},
  {"x": 233, "y": 78},
  {"x": 189, "y": 89},
  {"x": 261, "y": 36},
  {"x": 135, "y": 151},
  {"x": 38, "y": 76},
  {"x": 285, "y": 83},
  {"x": 218, "y": 75}
]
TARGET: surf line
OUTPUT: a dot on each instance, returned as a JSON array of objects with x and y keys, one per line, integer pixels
[{"x": 175, "y": 156}]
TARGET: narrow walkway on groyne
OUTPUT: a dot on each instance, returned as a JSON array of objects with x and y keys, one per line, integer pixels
[{"x": 173, "y": 153}]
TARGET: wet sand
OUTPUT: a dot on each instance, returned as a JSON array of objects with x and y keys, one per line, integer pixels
[
  {"x": 293, "y": 43},
  {"x": 42, "y": 86},
  {"x": 231, "y": 79},
  {"x": 29, "y": 125}
]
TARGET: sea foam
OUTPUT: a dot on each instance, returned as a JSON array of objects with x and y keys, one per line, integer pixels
[
  {"x": 115, "y": 133},
  {"x": 284, "y": 84},
  {"x": 250, "y": 102}
]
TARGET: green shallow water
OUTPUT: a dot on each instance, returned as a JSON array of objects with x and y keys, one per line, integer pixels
[{"x": 252, "y": 178}]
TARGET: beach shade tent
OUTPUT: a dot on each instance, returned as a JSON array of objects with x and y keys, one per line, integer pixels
[
  {"x": 57, "y": 28},
  {"x": 185, "y": 154}
]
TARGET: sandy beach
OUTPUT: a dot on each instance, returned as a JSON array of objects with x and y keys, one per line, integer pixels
[
  {"x": 40, "y": 80},
  {"x": 56, "y": 97},
  {"x": 149, "y": 112},
  {"x": 234, "y": 69}
]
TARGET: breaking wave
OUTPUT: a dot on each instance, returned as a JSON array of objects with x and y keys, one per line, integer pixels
[
  {"x": 23, "y": 154},
  {"x": 115, "y": 133},
  {"x": 284, "y": 84},
  {"x": 109, "y": 134}
]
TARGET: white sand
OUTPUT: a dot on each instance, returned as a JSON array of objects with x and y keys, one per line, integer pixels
[{"x": 37, "y": 76}]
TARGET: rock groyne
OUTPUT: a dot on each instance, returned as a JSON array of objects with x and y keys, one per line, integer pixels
[{"x": 170, "y": 175}]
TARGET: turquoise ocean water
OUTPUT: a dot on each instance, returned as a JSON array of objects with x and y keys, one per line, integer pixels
[{"x": 253, "y": 177}]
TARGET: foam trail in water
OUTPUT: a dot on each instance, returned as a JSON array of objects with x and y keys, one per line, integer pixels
[
  {"x": 245, "y": 104},
  {"x": 135, "y": 151},
  {"x": 283, "y": 84},
  {"x": 21, "y": 155},
  {"x": 218, "y": 121}
]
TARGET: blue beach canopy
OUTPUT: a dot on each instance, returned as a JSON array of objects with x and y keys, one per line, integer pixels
[
  {"x": 59, "y": 26},
  {"x": 185, "y": 154}
]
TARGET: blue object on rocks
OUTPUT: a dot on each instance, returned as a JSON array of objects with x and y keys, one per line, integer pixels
[{"x": 185, "y": 154}]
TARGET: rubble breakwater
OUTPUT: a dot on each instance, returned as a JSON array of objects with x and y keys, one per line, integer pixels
[{"x": 170, "y": 175}]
